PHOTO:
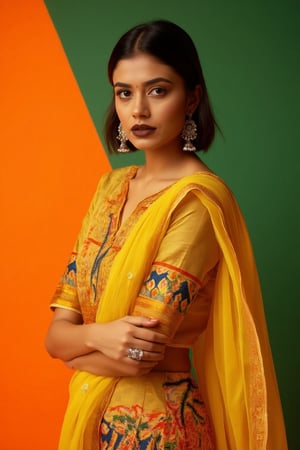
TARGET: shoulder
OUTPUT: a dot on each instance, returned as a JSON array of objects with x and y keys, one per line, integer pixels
[
  {"x": 189, "y": 205},
  {"x": 210, "y": 182},
  {"x": 214, "y": 189},
  {"x": 117, "y": 175},
  {"x": 113, "y": 179},
  {"x": 203, "y": 185},
  {"x": 110, "y": 184},
  {"x": 205, "y": 194}
]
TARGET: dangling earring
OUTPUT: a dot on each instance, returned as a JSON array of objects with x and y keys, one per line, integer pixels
[
  {"x": 122, "y": 138},
  {"x": 189, "y": 133}
]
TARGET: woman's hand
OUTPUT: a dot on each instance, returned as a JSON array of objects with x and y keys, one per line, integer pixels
[{"x": 114, "y": 339}]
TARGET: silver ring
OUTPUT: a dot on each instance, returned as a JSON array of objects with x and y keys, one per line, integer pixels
[{"x": 135, "y": 353}]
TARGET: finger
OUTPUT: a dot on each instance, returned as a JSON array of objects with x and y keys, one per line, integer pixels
[
  {"x": 140, "y": 354},
  {"x": 152, "y": 356},
  {"x": 148, "y": 346},
  {"x": 150, "y": 336},
  {"x": 141, "y": 321},
  {"x": 142, "y": 364}
]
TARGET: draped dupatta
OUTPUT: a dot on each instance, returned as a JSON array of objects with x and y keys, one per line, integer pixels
[{"x": 232, "y": 357}]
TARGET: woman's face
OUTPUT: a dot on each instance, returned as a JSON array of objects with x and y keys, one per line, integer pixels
[{"x": 151, "y": 102}]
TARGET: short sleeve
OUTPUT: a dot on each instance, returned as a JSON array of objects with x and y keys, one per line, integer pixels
[
  {"x": 190, "y": 243},
  {"x": 66, "y": 293}
]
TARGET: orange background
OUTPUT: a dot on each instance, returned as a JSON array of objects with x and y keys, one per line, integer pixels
[{"x": 51, "y": 160}]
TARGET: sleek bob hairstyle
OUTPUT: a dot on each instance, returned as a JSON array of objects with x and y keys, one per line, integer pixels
[{"x": 170, "y": 44}]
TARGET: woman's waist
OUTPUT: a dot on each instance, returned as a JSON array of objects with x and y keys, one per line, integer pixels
[{"x": 175, "y": 360}]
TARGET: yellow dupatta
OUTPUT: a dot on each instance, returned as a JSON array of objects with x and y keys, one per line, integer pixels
[{"x": 232, "y": 357}]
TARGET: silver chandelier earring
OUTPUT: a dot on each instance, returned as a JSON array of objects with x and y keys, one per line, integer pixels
[
  {"x": 189, "y": 133},
  {"x": 122, "y": 138}
]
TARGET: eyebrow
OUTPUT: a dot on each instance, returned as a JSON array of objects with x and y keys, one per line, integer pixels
[{"x": 146, "y": 83}]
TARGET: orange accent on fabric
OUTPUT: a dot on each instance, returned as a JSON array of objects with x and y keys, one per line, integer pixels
[
  {"x": 178, "y": 269},
  {"x": 169, "y": 318}
]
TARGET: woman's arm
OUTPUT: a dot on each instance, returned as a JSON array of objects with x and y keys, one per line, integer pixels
[
  {"x": 68, "y": 338},
  {"x": 66, "y": 335},
  {"x": 100, "y": 364}
]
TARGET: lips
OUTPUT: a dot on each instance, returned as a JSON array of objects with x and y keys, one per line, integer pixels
[{"x": 142, "y": 130}]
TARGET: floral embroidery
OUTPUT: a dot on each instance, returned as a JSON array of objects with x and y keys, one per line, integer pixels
[
  {"x": 183, "y": 425},
  {"x": 171, "y": 286},
  {"x": 128, "y": 429}
]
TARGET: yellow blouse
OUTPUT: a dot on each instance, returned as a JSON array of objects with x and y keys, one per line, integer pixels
[{"x": 182, "y": 275}]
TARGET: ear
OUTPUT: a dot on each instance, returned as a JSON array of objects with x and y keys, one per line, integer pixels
[{"x": 193, "y": 100}]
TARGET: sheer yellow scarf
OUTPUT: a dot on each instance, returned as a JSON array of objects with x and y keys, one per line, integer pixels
[{"x": 232, "y": 358}]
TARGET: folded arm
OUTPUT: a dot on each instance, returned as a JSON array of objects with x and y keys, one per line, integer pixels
[{"x": 103, "y": 348}]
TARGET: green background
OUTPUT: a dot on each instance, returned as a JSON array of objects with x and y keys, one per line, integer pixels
[{"x": 250, "y": 57}]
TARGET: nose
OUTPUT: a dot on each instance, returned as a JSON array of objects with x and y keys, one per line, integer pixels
[{"x": 140, "y": 107}]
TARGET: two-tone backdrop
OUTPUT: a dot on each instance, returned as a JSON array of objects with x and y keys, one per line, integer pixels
[{"x": 53, "y": 97}]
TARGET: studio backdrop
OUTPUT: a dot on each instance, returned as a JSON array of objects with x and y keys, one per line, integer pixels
[{"x": 53, "y": 97}]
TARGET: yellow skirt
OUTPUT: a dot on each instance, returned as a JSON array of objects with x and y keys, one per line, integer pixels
[{"x": 159, "y": 411}]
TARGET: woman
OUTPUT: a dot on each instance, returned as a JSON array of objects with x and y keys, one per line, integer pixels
[{"x": 163, "y": 265}]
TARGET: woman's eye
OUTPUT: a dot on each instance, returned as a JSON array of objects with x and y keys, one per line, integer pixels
[
  {"x": 158, "y": 91},
  {"x": 123, "y": 94}
]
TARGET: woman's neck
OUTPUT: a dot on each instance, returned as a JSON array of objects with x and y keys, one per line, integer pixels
[{"x": 166, "y": 166}]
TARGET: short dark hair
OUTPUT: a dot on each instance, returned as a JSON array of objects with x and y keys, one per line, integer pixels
[{"x": 170, "y": 44}]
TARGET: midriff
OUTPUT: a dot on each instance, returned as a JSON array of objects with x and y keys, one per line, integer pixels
[{"x": 175, "y": 360}]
